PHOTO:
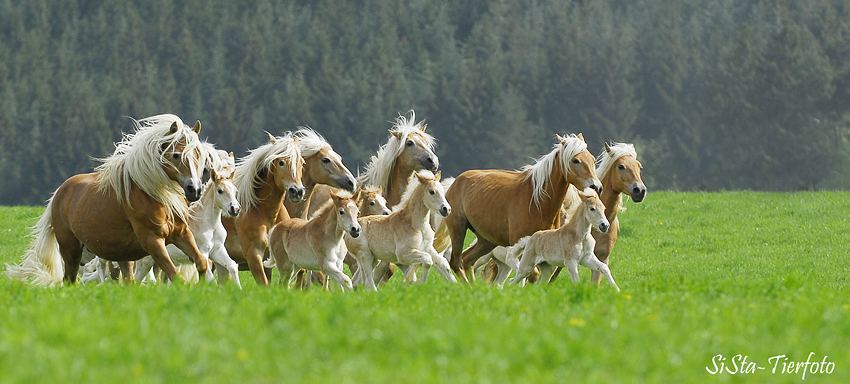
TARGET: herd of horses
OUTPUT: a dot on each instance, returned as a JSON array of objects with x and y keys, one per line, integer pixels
[{"x": 165, "y": 198}]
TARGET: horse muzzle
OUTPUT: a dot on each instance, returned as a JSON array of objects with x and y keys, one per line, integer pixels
[
  {"x": 354, "y": 232},
  {"x": 638, "y": 193},
  {"x": 445, "y": 210},
  {"x": 430, "y": 162},
  {"x": 234, "y": 210},
  {"x": 347, "y": 183},
  {"x": 603, "y": 227},
  {"x": 296, "y": 194},
  {"x": 192, "y": 188}
]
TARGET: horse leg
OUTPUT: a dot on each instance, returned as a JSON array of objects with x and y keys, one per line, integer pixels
[
  {"x": 457, "y": 225},
  {"x": 184, "y": 240},
  {"x": 376, "y": 275},
  {"x": 413, "y": 257},
  {"x": 572, "y": 268},
  {"x": 526, "y": 265},
  {"x": 142, "y": 268},
  {"x": 332, "y": 271},
  {"x": 225, "y": 266},
  {"x": 546, "y": 272},
  {"x": 471, "y": 255},
  {"x": 155, "y": 246},
  {"x": 502, "y": 273},
  {"x": 594, "y": 264},
  {"x": 596, "y": 276},
  {"x": 555, "y": 275},
  {"x": 127, "y": 271},
  {"x": 71, "y": 251},
  {"x": 442, "y": 266}
]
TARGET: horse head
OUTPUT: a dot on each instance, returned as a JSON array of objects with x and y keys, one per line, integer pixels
[
  {"x": 594, "y": 210},
  {"x": 287, "y": 170},
  {"x": 624, "y": 175},
  {"x": 579, "y": 169},
  {"x": 347, "y": 212},
  {"x": 371, "y": 202},
  {"x": 435, "y": 198},
  {"x": 185, "y": 167},
  {"x": 416, "y": 153}
]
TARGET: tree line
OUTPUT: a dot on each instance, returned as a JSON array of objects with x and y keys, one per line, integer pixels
[{"x": 716, "y": 94}]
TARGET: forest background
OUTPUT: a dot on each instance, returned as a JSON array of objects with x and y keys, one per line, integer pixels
[{"x": 716, "y": 94}]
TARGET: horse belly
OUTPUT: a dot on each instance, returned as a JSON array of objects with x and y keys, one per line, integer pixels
[{"x": 97, "y": 220}]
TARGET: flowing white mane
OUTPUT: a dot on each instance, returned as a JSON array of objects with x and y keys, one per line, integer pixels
[
  {"x": 380, "y": 167},
  {"x": 541, "y": 170},
  {"x": 138, "y": 159},
  {"x": 248, "y": 168},
  {"x": 606, "y": 160},
  {"x": 224, "y": 166},
  {"x": 310, "y": 142}
]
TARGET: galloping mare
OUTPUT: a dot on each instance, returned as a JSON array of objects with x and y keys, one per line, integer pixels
[
  {"x": 264, "y": 177},
  {"x": 500, "y": 207},
  {"x": 132, "y": 206}
]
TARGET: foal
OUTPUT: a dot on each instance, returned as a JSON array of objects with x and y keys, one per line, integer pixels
[
  {"x": 404, "y": 236},
  {"x": 567, "y": 246},
  {"x": 317, "y": 244}
]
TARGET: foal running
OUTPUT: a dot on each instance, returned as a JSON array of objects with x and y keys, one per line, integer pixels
[
  {"x": 317, "y": 244},
  {"x": 567, "y": 246}
]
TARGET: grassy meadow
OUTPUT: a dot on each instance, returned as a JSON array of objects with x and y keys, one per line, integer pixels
[{"x": 702, "y": 274}]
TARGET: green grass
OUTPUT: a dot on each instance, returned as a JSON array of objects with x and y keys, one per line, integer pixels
[{"x": 756, "y": 274}]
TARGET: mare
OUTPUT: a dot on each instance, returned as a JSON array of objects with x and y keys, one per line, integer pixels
[
  {"x": 322, "y": 166},
  {"x": 317, "y": 244},
  {"x": 404, "y": 236},
  {"x": 263, "y": 178},
  {"x": 567, "y": 246},
  {"x": 132, "y": 206},
  {"x": 500, "y": 207}
]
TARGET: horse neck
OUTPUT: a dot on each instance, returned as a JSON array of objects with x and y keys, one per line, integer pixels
[
  {"x": 270, "y": 200},
  {"x": 610, "y": 197},
  {"x": 554, "y": 190},
  {"x": 414, "y": 209},
  {"x": 578, "y": 223},
  {"x": 326, "y": 220},
  {"x": 397, "y": 183},
  {"x": 208, "y": 211}
]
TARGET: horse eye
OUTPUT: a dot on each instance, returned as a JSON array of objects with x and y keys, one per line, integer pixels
[
  {"x": 326, "y": 160},
  {"x": 175, "y": 155},
  {"x": 220, "y": 191},
  {"x": 372, "y": 203},
  {"x": 621, "y": 167},
  {"x": 592, "y": 209},
  {"x": 409, "y": 143},
  {"x": 341, "y": 212},
  {"x": 576, "y": 161},
  {"x": 431, "y": 191},
  {"x": 280, "y": 163}
]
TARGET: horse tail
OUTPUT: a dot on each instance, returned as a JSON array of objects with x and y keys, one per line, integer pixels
[
  {"x": 42, "y": 263},
  {"x": 442, "y": 241}
]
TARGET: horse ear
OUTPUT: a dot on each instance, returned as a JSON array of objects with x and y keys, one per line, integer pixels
[
  {"x": 357, "y": 195},
  {"x": 421, "y": 177},
  {"x": 336, "y": 198},
  {"x": 580, "y": 136},
  {"x": 607, "y": 148},
  {"x": 271, "y": 138},
  {"x": 380, "y": 190},
  {"x": 423, "y": 127},
  {"x": 397, "y": 134},
  {"x": 174, "y": 128},
  {"x": 438, "y": 175},
  {"x": 213, "y": 174},
  {"x": 295, "y": 140},
  {"x": 197, "y": 127},
  {"x": 230, "y": 154},
  {"x": 561, "y": 139}
]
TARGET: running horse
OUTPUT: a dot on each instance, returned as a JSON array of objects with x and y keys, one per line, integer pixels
[
  {"x": 132, "y": 206},
  {"x": 263, "y": 178},
  {"x": 500, "y": 207},
  {"x": 409, "y": 149}
]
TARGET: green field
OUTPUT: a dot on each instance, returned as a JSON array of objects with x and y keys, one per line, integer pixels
[{"x": 702, "y": 274}]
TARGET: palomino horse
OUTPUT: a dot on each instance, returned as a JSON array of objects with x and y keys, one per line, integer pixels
[
  {"x": 321, "y": 166},
  {"x": 219, "y": 197},
  {"x": 408, "y": 150},
  {"x": 500, "y": 207},
  {"x": 404, "y": 236},
  {"x": 567, "y": 246},
  {"x": 263, "y": 178},
  {"x": 619, "y": 170},
  {"x": 370, "y": 201},
  {"x": 131, "y": 207},
  {"x": 317, "y": 244}
]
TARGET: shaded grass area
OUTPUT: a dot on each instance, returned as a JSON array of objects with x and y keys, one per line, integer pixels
[{"x": 756, "y": 274}]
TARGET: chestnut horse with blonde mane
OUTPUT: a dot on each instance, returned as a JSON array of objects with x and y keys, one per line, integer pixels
[
  {"x": 131, "y": 207},
  {"x": 322, "y": 166},
  {"x": 409, "y": 149},
  {"x": 263, "y": 178},
  {"x": 500, "y": 207}
]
